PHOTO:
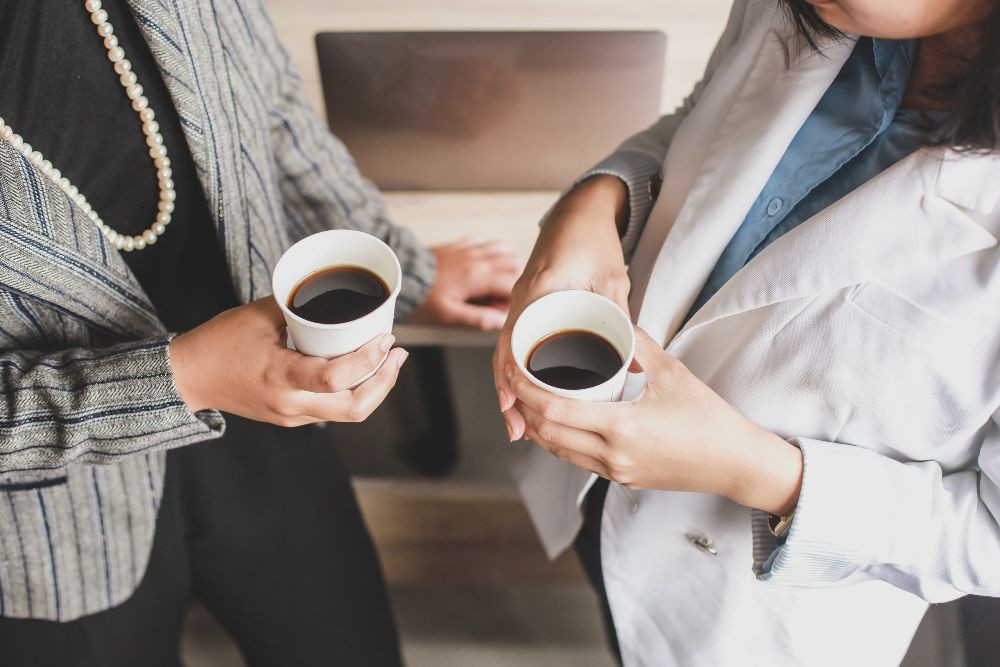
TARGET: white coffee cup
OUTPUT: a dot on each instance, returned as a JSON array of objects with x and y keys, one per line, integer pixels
[
  {"x": 336, "y": 247},
  {"x": 575, "y": 310}
]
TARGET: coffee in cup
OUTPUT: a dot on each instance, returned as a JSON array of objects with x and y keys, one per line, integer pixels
[
  {"x": 337, "y": 290},
  {"x": 574, "y": 360},
  {"x": 338, "y": 294},
  {"x": 576, "y": 344}
]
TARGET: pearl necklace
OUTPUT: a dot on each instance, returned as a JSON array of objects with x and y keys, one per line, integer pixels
[{"x": 157, "y": 151}]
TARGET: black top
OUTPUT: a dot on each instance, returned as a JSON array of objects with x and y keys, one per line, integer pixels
[{"x": 59, "y": 91}]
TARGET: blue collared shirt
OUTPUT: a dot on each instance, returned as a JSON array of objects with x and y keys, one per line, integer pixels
[{"x": 856, "y": 131}]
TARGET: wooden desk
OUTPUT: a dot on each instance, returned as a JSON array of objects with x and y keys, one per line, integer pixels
[{"x": 438, "y": 217}]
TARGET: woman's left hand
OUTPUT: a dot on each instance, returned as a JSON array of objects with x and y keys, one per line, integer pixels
[
  {"x": 472, "y": 287},
  {"x": 677, "y": 435}
]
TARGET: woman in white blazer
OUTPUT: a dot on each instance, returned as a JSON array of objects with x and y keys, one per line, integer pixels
[{"x": 812, "y": 453}]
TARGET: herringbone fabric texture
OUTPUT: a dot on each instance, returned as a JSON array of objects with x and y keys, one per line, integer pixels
[{"x": 88, "y": 400}]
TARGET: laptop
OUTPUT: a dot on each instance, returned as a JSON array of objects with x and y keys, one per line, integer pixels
[{"x": 487, "y": 111}]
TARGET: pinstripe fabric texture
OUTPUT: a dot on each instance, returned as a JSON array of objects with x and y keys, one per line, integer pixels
[{"x": 89, "y": 404}]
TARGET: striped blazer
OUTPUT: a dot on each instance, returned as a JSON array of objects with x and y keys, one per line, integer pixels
[{"x": 89, "y": 404}]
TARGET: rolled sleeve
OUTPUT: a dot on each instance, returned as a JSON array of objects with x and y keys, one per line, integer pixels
[
  {"x": 833, "y": 533},
  {"x": 852, "y": 505},
  {"x": 94, "y": 406},
  {"x": 641, "y": 156},
  {"x": 865, "y": 516},
  {"x": 419, "y": 271}
]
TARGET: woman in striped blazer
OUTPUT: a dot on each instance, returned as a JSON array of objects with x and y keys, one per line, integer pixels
[{"x": 173, "y": 160}]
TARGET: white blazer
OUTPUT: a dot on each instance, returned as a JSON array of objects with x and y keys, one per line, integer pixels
[{"x": 868, "y": 336}]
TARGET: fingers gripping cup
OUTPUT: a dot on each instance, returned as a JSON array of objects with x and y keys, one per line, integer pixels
[
  {"x": 576, "y": 344},
  {"x": 337, "y": 290}
]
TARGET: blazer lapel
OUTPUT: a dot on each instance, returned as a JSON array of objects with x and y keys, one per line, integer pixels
[
  {"x": 161, "y": 25},
  {"x": 917, "y": 213},
  {"x": 187, "y": 39},
  {"x": 52, "y": 253},
  {"x": 44, "y": 233},
  {"x": 775, "y": 98}
]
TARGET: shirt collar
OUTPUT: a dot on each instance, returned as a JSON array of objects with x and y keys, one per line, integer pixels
[
  {"x": 893, "y": 57},
  {"x": 891, "y": 60}
]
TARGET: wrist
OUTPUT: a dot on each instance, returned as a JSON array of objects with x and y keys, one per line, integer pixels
[
  {"x": 583, "y": 218},
  {"x": 601, "y": 197},
  {"x": 184, "y": 378},
  {"x": 771, "y": 474}
]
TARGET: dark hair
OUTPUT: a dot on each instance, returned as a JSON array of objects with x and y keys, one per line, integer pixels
[{"x": 972, "y": 98}]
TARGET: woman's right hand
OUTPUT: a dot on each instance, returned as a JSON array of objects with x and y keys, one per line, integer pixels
[
  {"x": 578, "y": 248},
  {"x": 237, "y": 362}
]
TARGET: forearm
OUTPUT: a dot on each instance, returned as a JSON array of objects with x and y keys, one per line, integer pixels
[
  {"x": 638, "y": 161},
  {"x": 92, "y": 405},
  {"x": 637, "y": 172},
  {"x": 769, "y": 477},
  {"x": 598, "y": 202}
]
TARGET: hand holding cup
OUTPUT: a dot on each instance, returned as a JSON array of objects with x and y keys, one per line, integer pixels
[
  {"x": 238, "y": 362},
  {"x": 336, "y": 292},
  {"x": 578, "y": 249}
]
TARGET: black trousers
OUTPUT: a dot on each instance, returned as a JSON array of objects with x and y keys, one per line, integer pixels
[
  {"x": 262, "y": 527},
  {"x": 588, "y": 548}
]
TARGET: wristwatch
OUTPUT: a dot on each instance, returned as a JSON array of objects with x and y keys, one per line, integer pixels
[{"x": 779, "y": 525}]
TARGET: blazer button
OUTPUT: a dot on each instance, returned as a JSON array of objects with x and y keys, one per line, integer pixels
[{"x": 703, "y": 544}]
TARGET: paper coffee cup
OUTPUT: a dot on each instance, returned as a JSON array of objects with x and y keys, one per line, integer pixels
[
  {"x": 575, "y": 310},
  {"x": 337, "y": 247}
]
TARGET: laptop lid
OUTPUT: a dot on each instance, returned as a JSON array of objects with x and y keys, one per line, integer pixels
[{"x": 487, "y": 110}]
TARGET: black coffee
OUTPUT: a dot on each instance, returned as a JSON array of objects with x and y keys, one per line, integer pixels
[
  {"x": 574, "y": 360},
  {"x": 337, "y": 294}
]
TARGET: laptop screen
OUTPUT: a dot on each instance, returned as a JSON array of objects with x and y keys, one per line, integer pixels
[{"x": 487, "y": 110}]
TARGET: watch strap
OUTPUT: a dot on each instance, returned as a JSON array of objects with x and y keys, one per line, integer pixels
[{"x": 779, "y": 525}]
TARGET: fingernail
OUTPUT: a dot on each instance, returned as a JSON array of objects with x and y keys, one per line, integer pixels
[
  {"x": 510, "y": 432},
  {"x": 402, "y": 358},
  {"x": 386, "y": 343},
  {"x": 503, "y": 401}
]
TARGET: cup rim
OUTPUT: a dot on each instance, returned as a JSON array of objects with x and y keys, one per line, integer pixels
[
  {"x": 340, "y": 325},
  {"x": 557, "y": 390}
]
